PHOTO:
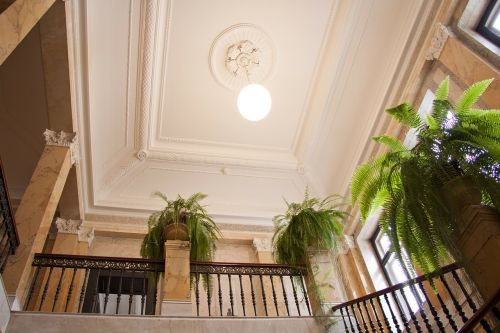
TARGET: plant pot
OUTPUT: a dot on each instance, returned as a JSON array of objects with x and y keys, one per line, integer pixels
[
  {"x": 461, "y": 192},
  {"x": 176, "y": 231}
]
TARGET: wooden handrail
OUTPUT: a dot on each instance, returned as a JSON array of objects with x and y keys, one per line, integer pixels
[
  {"x": 480, "y": 314},
  {"x": 398, "y": 286}
]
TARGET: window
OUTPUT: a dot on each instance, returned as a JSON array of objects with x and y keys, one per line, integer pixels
[
  {"x": 394, "y": 271},
  {"x": 489, "y": 24}
]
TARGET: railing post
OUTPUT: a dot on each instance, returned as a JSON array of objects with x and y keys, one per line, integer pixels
[
  {"x": 478, "y": 237},
  {"x": 176, "y": 280}
]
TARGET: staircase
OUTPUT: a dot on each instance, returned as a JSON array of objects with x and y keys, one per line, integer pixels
[{"x": 443, "y": 301}]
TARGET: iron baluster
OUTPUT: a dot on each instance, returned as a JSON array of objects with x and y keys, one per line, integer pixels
[
  {"x": 369, "y": 317},
  {"x": 155, "y": 292},
  {"x": 209, "y": 296},
  {"x": 301, "y": 279},
  {"x": 231, "y": 294},
  {"x": 197, "y": 292},
  {"x": 131, "y": 295},
  {"x": 469, "y": 300},
  {"x": 362, "y": 317},
  {"x": 84, "y": 288},
  {"x": 447, "y": 313},
  {"x": 119, "y": 294},
  {"x": 264, "y": 301},
  {"x": 45, "y": 289},
  {"x": 220, "y": 294},
  {"x": 349, "y": 318},
  {"x": 343, "y": 320},
  {"x": 242, "y": 294},
  {"x": 285, "y": 298},
  {"x": 70, "y": 291},
  {"x": 106, "y": 296},
  {"x": 402, "y": 312},
  {"x": 380, "y": 327},
  {"x": 143, "y": 292},
  {"x": 386, "y": 320},
  {"x": 295, "y": 295},
  {"x": 96, "y": 292},
  {"x": 410, "y": 311},
  {"x": 394, "y": 319},
  {"x": 253, "y": 296},
  {"x": 274, "y": 296},
  {"x": 431, "y": 307},
  {"x": 355, "y": 318},
  {"x": 58, "y": 289},
  {"x": 457, "y": 305}
]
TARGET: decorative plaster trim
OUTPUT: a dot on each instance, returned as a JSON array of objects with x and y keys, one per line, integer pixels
[
  {"x": 440, "y": 37},
  {"x": 241, "y": 41},
  {"x": 149, "y": 10},
  {"x": 63, "y": 139},
  {"x": 86, "y": 234},
  {"x": 262, "y": 244},
  {"x": 65, "y": 226}
]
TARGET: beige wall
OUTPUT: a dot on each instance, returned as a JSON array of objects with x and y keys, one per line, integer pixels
[
  {"x": 115, "y": 247},
  {"x": 235, "y": 251}
]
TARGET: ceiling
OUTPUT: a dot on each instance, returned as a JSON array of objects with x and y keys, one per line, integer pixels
[{"x": 155, "y": 102}]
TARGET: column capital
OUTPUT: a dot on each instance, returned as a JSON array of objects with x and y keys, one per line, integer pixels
[
  {"x": 262, "y": 244},
  {"x": 440, "y": 37},
  {"x": 86, "y": 234},
  {"x": 68, "y": 226},
  {"x": 63, "y": 139}
]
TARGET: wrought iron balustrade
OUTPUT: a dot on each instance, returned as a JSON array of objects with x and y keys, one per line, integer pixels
[
  {"x": 415, "y": 306},
  {"x": 488, "y": 313},
  {"x": 9, "y": 240},
  {"x": 88, "y": 284},
  {"x": 248, "y": 290}
]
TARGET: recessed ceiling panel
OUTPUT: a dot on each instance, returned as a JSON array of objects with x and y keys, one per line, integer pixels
[{"x": 197, "y": 106}]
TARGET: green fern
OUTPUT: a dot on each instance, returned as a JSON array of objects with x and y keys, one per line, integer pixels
[
  {"x": 312, "y": 223},
  {"x": 202, "y": 230},
  {"x": 408, "y": 185}
]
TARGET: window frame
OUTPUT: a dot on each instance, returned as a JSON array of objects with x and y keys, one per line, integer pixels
[
  {"x": 489, "y": 14},
  {"x": 383, "y": 260}
]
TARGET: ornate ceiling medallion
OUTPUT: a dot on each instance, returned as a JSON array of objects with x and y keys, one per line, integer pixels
[{"x": 241, "y": 54}]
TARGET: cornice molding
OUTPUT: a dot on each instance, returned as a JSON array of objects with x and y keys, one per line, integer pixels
[{"x": 67, "y": 226}]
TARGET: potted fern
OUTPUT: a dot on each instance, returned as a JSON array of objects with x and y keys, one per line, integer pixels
[
  {"x": 181, "y": 219},
  {"x": 310, "y": 224},
  {"x": 422, "y": 189},
  {"x": 302, "y": 232}
]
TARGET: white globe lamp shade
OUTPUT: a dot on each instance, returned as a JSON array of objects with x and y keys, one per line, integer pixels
[{"x": 254, "y": 102}]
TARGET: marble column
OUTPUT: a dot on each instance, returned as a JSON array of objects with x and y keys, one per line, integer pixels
[
  {"x": 36, "y": 210},
  {"x": 324, "y": 281},
  {"x": 264, "y": 254},
  {"x": 359, "y": 262},
  {"x": 263, "y": 250},
  {"x": 17, "y": 21},
  {"x": 176, "y": 299}
]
